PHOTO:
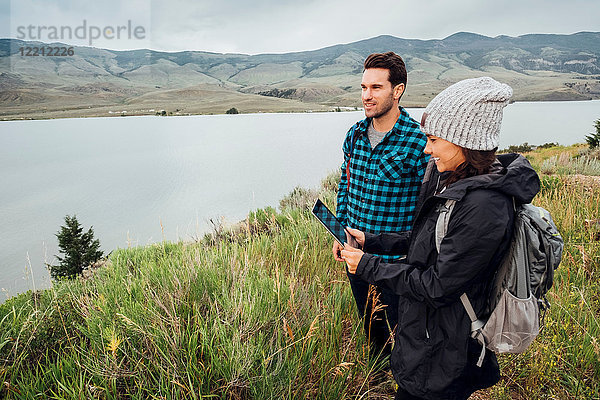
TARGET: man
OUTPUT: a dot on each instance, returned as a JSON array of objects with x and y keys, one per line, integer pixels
[{"x": 383, "y": 167}]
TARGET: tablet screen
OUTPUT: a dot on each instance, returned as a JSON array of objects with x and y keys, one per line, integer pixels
[{"x": 330, "y": 222}]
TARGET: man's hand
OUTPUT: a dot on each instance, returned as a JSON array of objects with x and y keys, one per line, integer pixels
[
  {"x": 352, "y": 257},
  {"x": 336, "y": 251},
  {"x": 358, "y": 236}
]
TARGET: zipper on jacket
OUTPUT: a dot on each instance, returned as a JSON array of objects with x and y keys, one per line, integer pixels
[{"x": 427, "y": 322}]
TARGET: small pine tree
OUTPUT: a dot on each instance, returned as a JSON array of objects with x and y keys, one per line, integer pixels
[
  {"x": 232, "y": 110},
  {"x": 593, "y": 140},
  {"x": 79, "y": 249}
]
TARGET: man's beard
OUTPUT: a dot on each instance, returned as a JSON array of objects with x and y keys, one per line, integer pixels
[{"x": 386, "y": 107}]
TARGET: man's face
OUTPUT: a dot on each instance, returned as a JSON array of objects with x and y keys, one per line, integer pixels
[{"x": 378, "y": 95}]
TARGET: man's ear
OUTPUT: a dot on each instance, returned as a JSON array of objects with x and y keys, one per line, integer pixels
[{"x": 398, "y": 91}]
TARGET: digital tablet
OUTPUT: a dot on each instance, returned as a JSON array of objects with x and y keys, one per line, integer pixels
[{"x": 331, "y": 223}]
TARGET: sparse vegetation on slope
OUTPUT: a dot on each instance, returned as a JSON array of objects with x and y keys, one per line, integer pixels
[
  {"x": 99, "y": 82},
  {"x": 261, "y": 311}
]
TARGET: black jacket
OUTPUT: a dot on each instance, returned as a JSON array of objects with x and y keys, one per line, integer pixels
[{"x": 434, "y": 356}]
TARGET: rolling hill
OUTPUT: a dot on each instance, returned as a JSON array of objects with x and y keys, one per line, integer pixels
[{"x": 101, "y": 82}]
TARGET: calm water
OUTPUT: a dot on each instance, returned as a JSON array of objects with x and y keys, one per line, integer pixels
[{"x": 140, "y": 180}]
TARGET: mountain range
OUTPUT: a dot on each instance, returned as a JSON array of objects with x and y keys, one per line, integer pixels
[{"x": 101, "y": 82}]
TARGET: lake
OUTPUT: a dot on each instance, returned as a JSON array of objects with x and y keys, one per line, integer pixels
[{"x": 141, "y": 180}]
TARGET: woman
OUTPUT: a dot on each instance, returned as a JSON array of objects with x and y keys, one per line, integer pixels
[{"x": 434, "y": 356}]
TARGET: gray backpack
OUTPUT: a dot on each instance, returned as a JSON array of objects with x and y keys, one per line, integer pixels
[{"x": 520, "y": 284}]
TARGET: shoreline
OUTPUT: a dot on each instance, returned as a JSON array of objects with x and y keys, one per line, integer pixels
[{"x": 153, "y": 113}]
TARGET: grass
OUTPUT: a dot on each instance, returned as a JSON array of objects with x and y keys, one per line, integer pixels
[
  {"x": 577, "y": 159},
  {"x": 261, "y": 311},
  {"x": 564, "y": 362}
]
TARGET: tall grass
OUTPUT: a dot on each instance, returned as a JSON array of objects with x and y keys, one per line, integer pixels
[
  {"x": 261, "y": 311},
  {"x": 564, "y": 361}
]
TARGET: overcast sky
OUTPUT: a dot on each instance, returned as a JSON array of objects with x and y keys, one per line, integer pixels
[{"x": 278, "y": 26}]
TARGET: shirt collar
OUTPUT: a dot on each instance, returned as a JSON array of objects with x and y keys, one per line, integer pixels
[{"x": 403, "y": 119}]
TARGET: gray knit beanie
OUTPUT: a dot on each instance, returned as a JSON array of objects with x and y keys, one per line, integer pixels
[{"x": 469, "y": 113}]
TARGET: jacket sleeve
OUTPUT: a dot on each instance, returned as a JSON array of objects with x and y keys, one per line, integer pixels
[
  {"x": 475, "y": 232},
  {"x": 393, "y": 243},
  {"x": 342, "y": 195}
]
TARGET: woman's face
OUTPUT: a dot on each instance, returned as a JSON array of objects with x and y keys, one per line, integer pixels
[{"x": 447, "y": 156}]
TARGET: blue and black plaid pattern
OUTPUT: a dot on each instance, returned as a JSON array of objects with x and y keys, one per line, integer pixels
[
  {"x": 384, "y": 181},
  {"x": 330, "y": 221}
]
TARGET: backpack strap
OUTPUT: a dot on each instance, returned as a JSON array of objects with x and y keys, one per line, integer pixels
[
  {"x": 441, "y": 228},
  {"x": 441, "y": 225},
  {"x": 476, "y": 326},
  {"x": 354, "y": 139},
  {"x": 523, "y": 286}
]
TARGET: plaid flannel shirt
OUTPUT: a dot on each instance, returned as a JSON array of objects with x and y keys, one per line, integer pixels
[{"x": 384, "y": 181}]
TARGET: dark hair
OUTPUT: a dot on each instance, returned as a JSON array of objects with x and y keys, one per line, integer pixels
[
  {"x": 390, "y": 61},
  {"x": 477, "y": 162}
]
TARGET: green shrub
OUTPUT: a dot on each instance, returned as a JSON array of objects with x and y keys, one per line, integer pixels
[
  {"x": 548, "y": 145},
  {"x": 522, "y": 148},
  {"x": 266, "y": 220},
  {"x": 298, "y": 198}
]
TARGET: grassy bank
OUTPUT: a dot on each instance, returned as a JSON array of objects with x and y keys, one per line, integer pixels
[{"x": 263, "y": 312}]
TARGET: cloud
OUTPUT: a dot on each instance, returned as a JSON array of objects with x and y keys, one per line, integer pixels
[
  {"x": 270, "y": 26},
  {"x": 282, "y": 26}
]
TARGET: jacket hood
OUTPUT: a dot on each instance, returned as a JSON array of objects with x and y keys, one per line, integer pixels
[{"x": 512, "y": 175}]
